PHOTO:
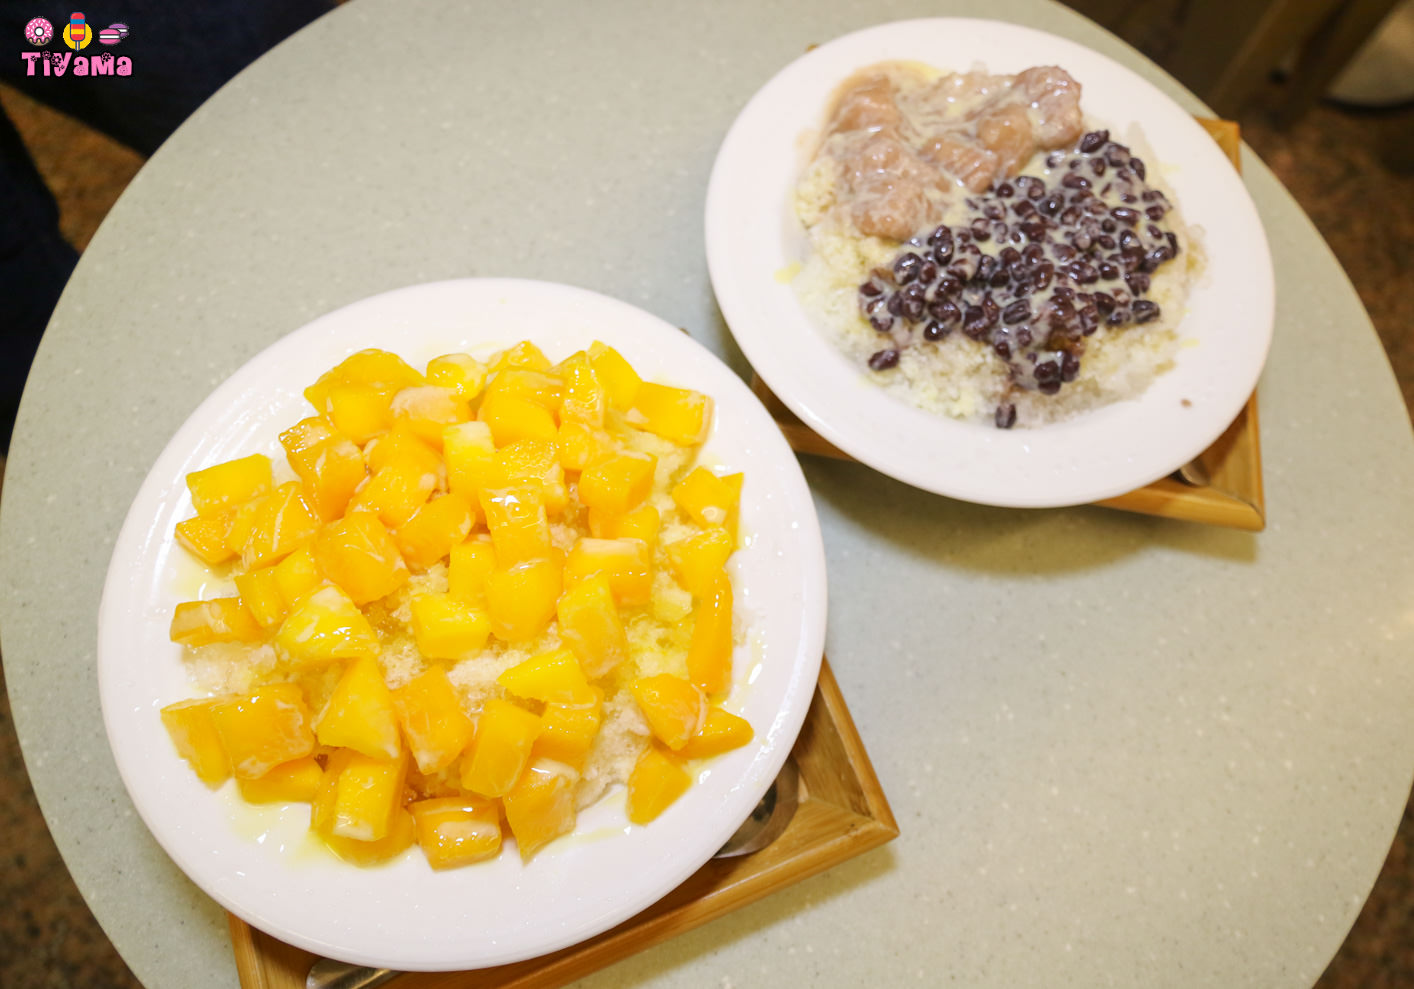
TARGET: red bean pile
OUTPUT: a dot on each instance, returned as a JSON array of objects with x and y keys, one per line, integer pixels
[{"x": 1035, "y": 271}]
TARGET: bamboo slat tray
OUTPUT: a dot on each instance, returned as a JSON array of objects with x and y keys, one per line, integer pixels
[
  {"x": 1232, "y": 495},
  {"x": 843, "y": 812}
]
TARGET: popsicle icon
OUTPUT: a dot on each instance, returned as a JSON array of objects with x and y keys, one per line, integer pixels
[
  {"x": 112, "y": 34},
  {"x": 76, "y": 34}
]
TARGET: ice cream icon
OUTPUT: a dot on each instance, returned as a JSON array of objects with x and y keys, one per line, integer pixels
[
  {"x": 77, "y": 33},
  {"x": 112, "y": 34}
]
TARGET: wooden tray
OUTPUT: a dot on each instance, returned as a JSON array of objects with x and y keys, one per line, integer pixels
[
  {"x": 1231, "y": 494},
  {"x": 843, "y": 812}
]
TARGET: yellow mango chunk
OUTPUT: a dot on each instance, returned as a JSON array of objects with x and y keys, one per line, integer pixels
[
  {"x": 194, "y": 734},
  {"x": 303, "y": 440},
  {"x": 280, "y": 524},
  {"x": 326, "y": 625},
  {"x": 674, "y": 708},
  {"x": 293, "y": 782},
  {"x": 591, "y": 627},
  {"x": 618, "y": 484},
  {"x": 396, "y": 492},
  {"x": 433, "y": 720},
  {"x": 541, "y": 387},
  {"x": 367, "y": 795},
  {"x": 469, "y": 565},
  {"x": 709, "y": 656},
  {"x": 585, "y": 399},
  {"x": 222, "y": 486},
  {"x": 721, "y": 732},
  {"x": 550, "y": 676},
  {"x": 470, "y": 452},
  {"x": 625, "y": 563},
  {"x": 643, "y": 523},
  {"x": 500, "y": 749},
  {"x": 568, "y": 730},
  {"x": 581, "y": 445},
  {"x": 621, "y": 382},
  {"x": 462, "y": 373},
  {"x": 512, "y": 418},
  {"x": 200, "y": 623},
  {"x": 540, "y": 807},
  {"x": 360, "y": 411},
  {"x": 437, "y": 526},
  {"x": 428, "y": 409},
  {"x": 359, "y": 555},
  {"x": 679, "y": 415},
  {"x": 518, "y": 522},
  {"x": 520, "y": 599},
  {"x": 359, "y": 714},
  {"x": 264, "y": 729},
  {"x": 697, "y": 560},
  {"x": 402, "y": 834},
  {"x": 332, "y": 474},
  {"x": 260, "y": 592},
  {"x": 523, "y": 355},
  {"x": 401, "y": 445},
  {"x": 296, "y": 575},
  {"x": 447, "y": 627},
  {"x": 457, "y": 831},
  {"x": 531, "y": 463},
  {"x": 205, "y": 537},
  {"x": 710, "y": 500},
  {"x": 386, "y": 372},
  {"x": 657, "y": 780}
]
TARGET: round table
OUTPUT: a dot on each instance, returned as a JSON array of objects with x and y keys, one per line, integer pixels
[{"x": 1120, "y": 750}]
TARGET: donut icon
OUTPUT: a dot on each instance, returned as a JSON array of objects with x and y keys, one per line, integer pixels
[{"x": 39, "y": 32}]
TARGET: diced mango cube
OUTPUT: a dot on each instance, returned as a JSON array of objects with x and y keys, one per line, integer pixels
[
  {"x": 433, "y": 720},
  {"x": 656, "y": 781},
  {"x": 709, "y": 499},
  {"x": 462, "y": 373},
  {"x": 402, "y": 834},
  {"x": 401, "y": 445},
  {"x": 386, "y": 372},
  {"x": 260, "y": 592},
  {"x": 396, "y": 492},
  {"x": 296, "y": 575},
  {"x": 530, "y": 463},
  {"x": 264, "y": 729},
  {"x": 524, "y": 355},
  {"x": 326, "y": 625},
  {"x": 205, "y": 537},
  {"x": 697, "y": 560},
  {"x": 280, "y": 525},
  {"x": 581, "y": 445},
  {"x": 568, "y": 729},
  {"x": 621, "y": 382},
  {"x": 540, "y": 387},
  {"x": 294, "y": 782},
  {"x": 469, "y": 565},
  {"x": 200, "y": 623},
  {"x": 591, "y": 627},
  {"x": 332, "y": 474},
  {"x": 359, "y": 714},
  {"x": 303, "y": 440},
  {"x": 540, "y": 807},
  {"x": 457, "y": 831},
  {"x": 359, "y": 555},
  {"x": 709, "y": 655},
  {"x": 428, "y": 410},
  {"x": 585, "y": 398},
  {"x": 520, "y": 599},
  {"x": 550, "y": 676},
  {"x": 360, "y": 411},
  {"x": 512, "y": 418},
  {"x": 674, "y": 708},
  {"x": 437, "y": 526},
  {"x": 470, "y": 452},
  {"x": 721, "y": 732},
  {"x": 500, "y": 749},
  {"x": 679, "y": 415},
  {"x": 627, "y": 563},
  {"x": 368, "y": 794},
  {"x": 518, "y": 523},
  {"x": 217, "y": 488},
  {"x": 447, "y": 627},
  {"x": 643, "y": 523},
  {"x": 618, "y": 484},
  {"x": 194, "y": 734}
]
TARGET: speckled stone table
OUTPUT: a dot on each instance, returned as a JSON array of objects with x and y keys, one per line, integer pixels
[{"x": 1121, "y": 750}]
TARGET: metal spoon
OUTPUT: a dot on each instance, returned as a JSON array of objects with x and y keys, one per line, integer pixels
[{"x": 766, "y": 823}]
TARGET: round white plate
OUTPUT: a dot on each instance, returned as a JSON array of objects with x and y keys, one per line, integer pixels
[
  {"x": 753, "y": 236},
  {"x": 260, "y": 863}
]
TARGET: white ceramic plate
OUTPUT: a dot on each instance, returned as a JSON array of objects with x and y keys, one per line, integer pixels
[
  {"x": 753, "y": 236},
  {"x": 258, "y": 862}
]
